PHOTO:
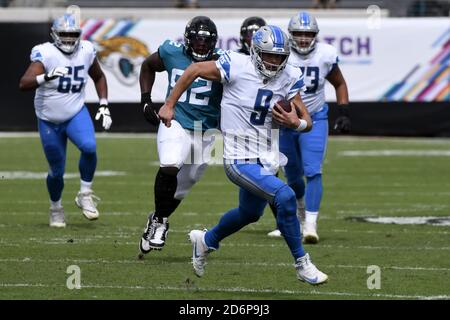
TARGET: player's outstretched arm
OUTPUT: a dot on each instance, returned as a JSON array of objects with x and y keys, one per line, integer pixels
[
  {"x": 149, "y": 67},
  {"x": 35, "y": 75},
  {"x": 342, "y": 123},
  {"x": 99, "y": 78},
  {"x": 206, "y": 70}
]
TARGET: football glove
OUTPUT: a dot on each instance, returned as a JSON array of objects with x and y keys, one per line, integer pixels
[
  {"x": 103, "y": 112},
  {"x": 56, "y": 73},
  {"x": 342, "y": 123},
  {"x": 150, "y": 112}
]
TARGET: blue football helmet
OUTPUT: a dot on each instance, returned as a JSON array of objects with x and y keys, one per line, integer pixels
[
  {"x": 270, "y": 51},
  {"x": 66, "y": 33},
  {"x": 303, "y": 30}
]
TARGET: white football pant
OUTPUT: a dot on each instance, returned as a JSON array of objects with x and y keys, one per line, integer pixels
[{"x": 186, "y": 150}]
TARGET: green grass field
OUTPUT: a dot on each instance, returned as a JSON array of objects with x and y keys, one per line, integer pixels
[{"x": 362, "y": 177}]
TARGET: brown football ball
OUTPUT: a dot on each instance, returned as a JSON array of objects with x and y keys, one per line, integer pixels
[{"x": 285, "y": 105}]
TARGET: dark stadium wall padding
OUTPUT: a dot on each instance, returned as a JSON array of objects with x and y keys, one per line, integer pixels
[
  {"x": 17, "y": 40},
  {"x": 368, "y": 119}
]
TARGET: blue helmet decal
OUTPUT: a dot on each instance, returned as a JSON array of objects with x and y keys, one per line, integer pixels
[
  {"x": 278, "y": 40},
  {"x": 304, "y": 18},
  {"x": 257, "y": 37},
  {"x": 67, "y": 21}
]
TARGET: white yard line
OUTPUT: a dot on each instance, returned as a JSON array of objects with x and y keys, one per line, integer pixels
[
  {"x": 394, "y": 153},
  {"x": 340, "y": 216},
  {"x": 237, "y": 264},
  {"x": 333, "y": 138},
  {"x": 30, "y": 175},
  {"x": 136, "y": 231},
  {"x": 91, "y": 241},
  {"x": 233, "y": 290}
]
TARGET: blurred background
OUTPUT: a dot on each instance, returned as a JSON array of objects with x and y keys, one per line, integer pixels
[{"x": 395, "y": 55}]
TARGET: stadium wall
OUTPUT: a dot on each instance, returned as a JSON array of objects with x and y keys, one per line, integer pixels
[{"x": 383, "y": 117}]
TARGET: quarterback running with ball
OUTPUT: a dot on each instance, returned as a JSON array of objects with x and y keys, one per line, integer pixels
[{"x": 251, "y": 87}]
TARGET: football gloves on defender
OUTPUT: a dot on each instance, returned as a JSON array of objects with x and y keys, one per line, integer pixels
[
  {"x": 342, "y": 123},
  {"x": 56, "y": 73},
  {"x": 103, "y": 112},
  {"x": 150, "y": 112}
]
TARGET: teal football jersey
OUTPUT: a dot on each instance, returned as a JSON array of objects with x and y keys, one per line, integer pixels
[{"x": 201, "y": 101}]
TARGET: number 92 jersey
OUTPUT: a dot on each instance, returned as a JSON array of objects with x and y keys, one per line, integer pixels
[
  {"x": 315, "y": 67},
  {"x": 201, "y": 101},
  {"x": 60, "y": 99}
]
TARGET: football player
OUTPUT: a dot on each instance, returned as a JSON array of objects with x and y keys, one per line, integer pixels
[
  {"x": 252, "y": 86},
  {"x": 306, "y": 151},
  {"x": 59, "y": 72},
  {"x": 248, "y": 28},
  {"x": 200, "y": 103}
]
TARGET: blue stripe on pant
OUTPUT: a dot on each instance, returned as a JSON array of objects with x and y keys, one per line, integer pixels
[
  {"x": 80, "y": 130},
  {"x": 257, "y": 187}
]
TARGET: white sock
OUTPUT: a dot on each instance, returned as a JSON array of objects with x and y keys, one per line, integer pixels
[
  {"x": 311, "y": 216},
  {"x": 55, "y": 204},
  {"x": 85, "y": 186}
]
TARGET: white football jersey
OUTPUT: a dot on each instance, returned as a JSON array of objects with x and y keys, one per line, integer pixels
[
  {"x": 315, "y": 67},
  {"x": 247, "y": 102},
  {"x": 60, "y": 99}
]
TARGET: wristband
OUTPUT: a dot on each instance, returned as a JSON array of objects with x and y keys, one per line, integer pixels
[
  {"x": 40, "y": 79},
  {"x": 302, "y": 126},
  {"x": 103, "y": 102},
  {"x": 146, "y": 97}
]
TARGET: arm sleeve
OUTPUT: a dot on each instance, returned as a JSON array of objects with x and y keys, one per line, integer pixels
[{"x": 224, "y": 66}]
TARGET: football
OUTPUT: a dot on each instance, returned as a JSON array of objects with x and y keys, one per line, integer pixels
[{"x": 285, "y": 105}]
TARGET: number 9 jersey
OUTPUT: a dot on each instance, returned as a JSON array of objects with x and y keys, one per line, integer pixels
[
  {"x": 248, "y": 99},
  {"x": 60, "y": 99}
]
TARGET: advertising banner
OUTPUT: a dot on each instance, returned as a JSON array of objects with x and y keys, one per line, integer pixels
[{"x": 391, "y": 60}]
